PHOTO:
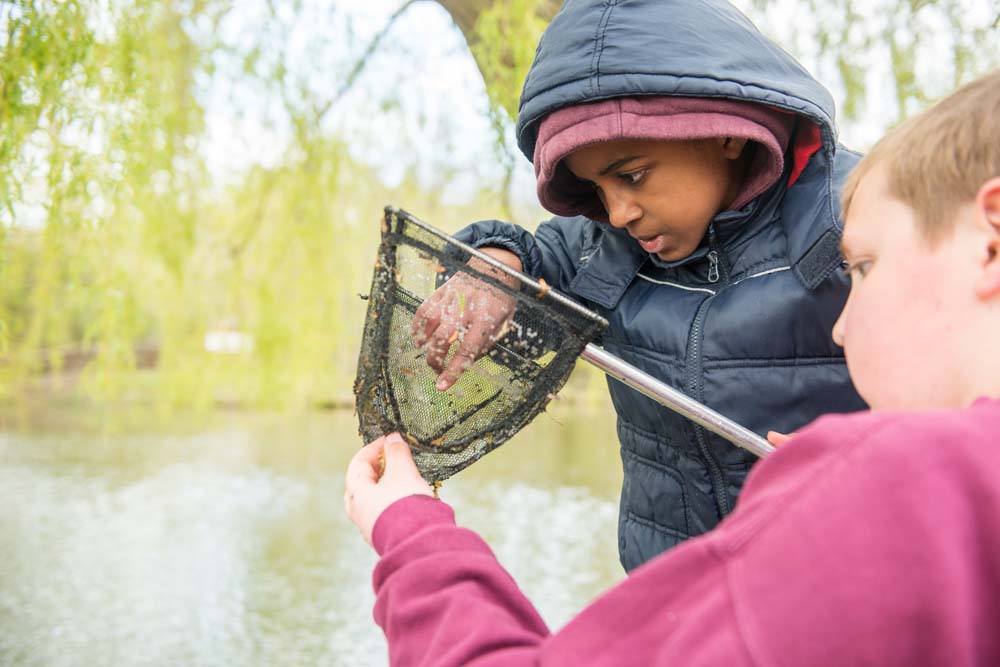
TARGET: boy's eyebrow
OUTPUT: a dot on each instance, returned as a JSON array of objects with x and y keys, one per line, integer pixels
[
  {"x": 844, "y": 250},
  {"x": 617, "y": 163}
]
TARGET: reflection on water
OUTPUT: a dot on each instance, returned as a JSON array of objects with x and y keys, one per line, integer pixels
[{"x": 222, "y": 541}]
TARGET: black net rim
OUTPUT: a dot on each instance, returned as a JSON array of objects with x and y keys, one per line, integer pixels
[{"x": 384, "y": 297}]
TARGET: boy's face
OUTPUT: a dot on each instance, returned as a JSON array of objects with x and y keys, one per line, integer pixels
[
  {"x": 664, "y": 193},
  {"x": 909, "y": 305}
]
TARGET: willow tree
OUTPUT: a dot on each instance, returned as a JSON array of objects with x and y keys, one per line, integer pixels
[
  {"x": 117, "y": 241},
  {"x": 113, "y": 235},
  {"x": 925, "y": 48},
  {"x": 98, "y": 131}
]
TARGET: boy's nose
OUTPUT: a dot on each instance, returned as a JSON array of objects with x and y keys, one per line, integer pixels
[
  {"x": 838, "y": 328},
  {"x": 622, "y": 210}
]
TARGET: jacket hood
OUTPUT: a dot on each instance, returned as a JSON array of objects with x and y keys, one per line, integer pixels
[{"x": 600, "y": 49}]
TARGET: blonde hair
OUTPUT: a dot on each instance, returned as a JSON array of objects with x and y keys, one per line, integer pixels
[{"x": 937, "y": 160}]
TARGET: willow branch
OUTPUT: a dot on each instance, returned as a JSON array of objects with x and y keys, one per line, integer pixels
[{"x": 363, "y": 60}]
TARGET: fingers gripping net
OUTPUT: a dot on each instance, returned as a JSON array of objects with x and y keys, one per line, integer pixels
[{"x": 437, "y": 307}]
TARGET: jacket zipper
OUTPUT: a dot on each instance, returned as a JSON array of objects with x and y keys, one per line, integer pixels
[
  {"x": 696, "y": 384},
  {"x": 716, "y": 262},
  {"x": 713, "y": 266}
]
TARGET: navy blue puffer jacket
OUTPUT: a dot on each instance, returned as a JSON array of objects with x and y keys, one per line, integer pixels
[{"x": 743, "y": 324}]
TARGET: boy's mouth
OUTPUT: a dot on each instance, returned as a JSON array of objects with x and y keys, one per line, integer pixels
[{"x": 653, "y": 244}]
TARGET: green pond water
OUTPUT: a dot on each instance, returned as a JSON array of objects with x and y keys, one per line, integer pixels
[{"x": 131, "y": 539}]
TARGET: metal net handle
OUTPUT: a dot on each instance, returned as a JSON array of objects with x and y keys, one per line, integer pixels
[
  {"x": 677, "y": 401},
  {"x": 617, "y": 368}
]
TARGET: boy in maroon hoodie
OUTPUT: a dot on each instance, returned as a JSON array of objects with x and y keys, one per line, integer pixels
[{"x": 868, "y": 539}]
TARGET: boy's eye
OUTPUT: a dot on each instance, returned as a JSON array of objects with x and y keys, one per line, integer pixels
[
  {"x": 856, "y": 270},
  {"x": 633, "y": 177}
]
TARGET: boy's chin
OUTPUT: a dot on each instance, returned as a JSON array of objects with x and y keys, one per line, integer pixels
[{"x": 675, "y": 254}]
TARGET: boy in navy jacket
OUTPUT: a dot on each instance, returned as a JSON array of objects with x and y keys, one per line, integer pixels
[{"x": 695, "y": 169}]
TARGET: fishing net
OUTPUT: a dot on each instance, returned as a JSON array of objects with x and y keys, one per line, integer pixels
[{"x": 527, "y": 358}]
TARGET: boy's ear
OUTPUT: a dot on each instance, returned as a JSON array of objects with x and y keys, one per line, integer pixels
[
  {"x": 988, "y": 206},
  {"x": 732, "y": 147}
]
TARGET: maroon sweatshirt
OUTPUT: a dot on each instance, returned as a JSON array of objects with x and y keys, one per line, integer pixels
[{"x": 871, "y": 539}]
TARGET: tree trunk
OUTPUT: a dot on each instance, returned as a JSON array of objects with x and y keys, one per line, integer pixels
[{"x": 465, "y": 13}]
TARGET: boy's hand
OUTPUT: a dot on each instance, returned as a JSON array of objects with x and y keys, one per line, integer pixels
[
  {"x": 779, "y": 439},
  {"x": 465, "y": 310},
  {"x": 373, "y": 483}
]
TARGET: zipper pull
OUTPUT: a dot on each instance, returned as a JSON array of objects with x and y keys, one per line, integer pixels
[{"x": 713, "y": 266}]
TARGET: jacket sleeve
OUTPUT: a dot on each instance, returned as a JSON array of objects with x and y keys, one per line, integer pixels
[{"x": 554, "y": 252}]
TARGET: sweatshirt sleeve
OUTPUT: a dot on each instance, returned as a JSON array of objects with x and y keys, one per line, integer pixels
[
  {"x": 554, "y": 252},
  {"x": 442, "y": 597}
]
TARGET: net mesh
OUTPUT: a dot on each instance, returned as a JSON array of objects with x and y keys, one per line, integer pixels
[{"x": 534, "y": 337}]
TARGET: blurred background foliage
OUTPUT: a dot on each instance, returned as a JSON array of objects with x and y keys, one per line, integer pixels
[{"x": 125, "y": 248}]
